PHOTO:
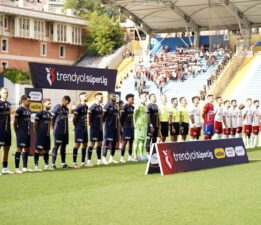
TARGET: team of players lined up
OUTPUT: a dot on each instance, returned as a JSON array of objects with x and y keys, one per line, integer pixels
[{"x": 140, "y": 126}]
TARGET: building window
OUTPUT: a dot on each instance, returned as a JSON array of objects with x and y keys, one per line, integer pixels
[
  {"x": 39, "y": 29},
  {"x": 43, "y": 49},
  {"x": 61, "y": 32},
  {"x": 4, "y": 45},
  {"x": 6, "y": 22},
  {"x": 4, "y": 65},
  {"x": 24, "y": 26},
  {"x": 76, "y": 35},
  {"x": 62, "y": 51}
]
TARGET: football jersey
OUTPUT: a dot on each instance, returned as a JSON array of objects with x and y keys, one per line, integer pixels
[
  {"x": 174, "y": 112},
  {"x": 240, "y": 118},
  {"x": 81, "y": 112},
  {"x": 248, "y": 113},
  {"x": 141, "y": 116},
  {"x": 96, "y": 114},
  {"x": 234, "y": 117},
  {"x": 209, "y": 114},
  {"x": 5, "y": 109},
  {"x": 127, "y": 116},
  {"x": 195, "y": 112},
  {"x": 111, "y": 116},
  {"x": 256, "y": 117},
  {"x": 153, "y": 112},
  {"x": 60, "y": 117},
  {"x": 227, "y": 115},
  {"x": 164, "y": 113},
  {"x": 219, "y": 113},
  {"x": 184, "y": 114},
  {"x": 23, "y": 116},
  {"x": 44, "y": 119}
]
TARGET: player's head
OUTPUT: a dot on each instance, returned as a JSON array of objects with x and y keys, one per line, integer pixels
[
  {"x": 143, "y": 97},
  {"x": 163, "y": 99},
  {"x": 195, "y": 100},
  {"x": 249, "y": 102},
  {"x": 83, "y": 97},
  {"x": 98, "y": 97},
  {"x": 241, "y": 106},
  {"x": 130, "y": 99},
  {"x": 152, "y": 98},
  {"x": 210, "y": 98},
  {"x": 227, "y": 103},
  {"x": 112, "y": 97},
  {"x": 25, "y": 100},
  {"x": 174, "y": 101},
  {"x": 183, "y": 101},
  {"x": 120, "y": 104},
  {"x": 234, "y": 103},
  {"x": 47, "y": 104},
  {"x": 66, "y": 100},
  {"x": 256, "y": 103},
  {"x": 4, "y": 93},
  {"x": 219, "y": 100}
]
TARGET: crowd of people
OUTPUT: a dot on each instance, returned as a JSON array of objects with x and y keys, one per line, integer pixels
[{"x": 102, "y": 126}]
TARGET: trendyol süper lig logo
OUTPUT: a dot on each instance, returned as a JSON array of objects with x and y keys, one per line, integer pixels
[{"x": 50, "y": 75}]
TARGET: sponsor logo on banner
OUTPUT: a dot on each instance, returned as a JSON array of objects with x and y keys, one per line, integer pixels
[
  {"x": 72, "y": 77},
  {"x": 169, "y": 158},
  {"x": 240, "y": 151},
  {"x": 50, "y": 75},
  {"x": 35, "y": 107},
  {"x": 36, "y": 96},
  {"x": 219, "y": 153},
  {"x": 230, "y": 152}
]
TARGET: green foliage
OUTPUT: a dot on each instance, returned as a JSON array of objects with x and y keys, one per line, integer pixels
[
  {"x": 105, "y": 35},
  {"x": 16, "y": 76}
]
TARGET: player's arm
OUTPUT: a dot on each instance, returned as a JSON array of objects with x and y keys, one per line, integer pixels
[
  {"x": 54, "y": 115},
  {"x": 75, "y": 115},
  {"x": 17, "y": 115},
  {"x": 192, "y": 118},
  {"x": 205, "y": 110},
  {"x": 89, "y": 118},
  {"x": 36, "y": 123},
  {"x": 105, "y": 112},
  {"x": 224, "y": 120},
  {"x": 122, "y": 116}
]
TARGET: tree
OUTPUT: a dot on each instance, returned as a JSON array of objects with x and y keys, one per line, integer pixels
[{"x": 104, "y": 35}]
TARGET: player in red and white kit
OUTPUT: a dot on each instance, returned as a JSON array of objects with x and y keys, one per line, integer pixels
[
  {"x": 226, "y": 119},
  {"x": 218, "y": 119},
  {"x": 208, "y": 117},
  {"x": 195, "y": 120},
  {"x": 259, "y": 137},
  {"x": 255, "y": 124},
  {"x": 234, "y": 116},
  {"x": 240, "y": 121},
  {"x": 248, "y": 119}
]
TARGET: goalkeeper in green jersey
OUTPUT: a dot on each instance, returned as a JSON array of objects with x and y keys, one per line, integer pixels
[{"x": 140, "y": 121}]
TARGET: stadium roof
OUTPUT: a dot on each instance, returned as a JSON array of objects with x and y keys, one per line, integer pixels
[{"x": 163, "y": 16}]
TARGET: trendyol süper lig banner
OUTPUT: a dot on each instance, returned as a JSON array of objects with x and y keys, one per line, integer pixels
[
  {"x": 168, "y": 158},
  {"x": 72, "y": 77}
]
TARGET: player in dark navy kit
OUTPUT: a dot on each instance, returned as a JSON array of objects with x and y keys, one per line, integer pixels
[
  {"x": 22, "y": 126},
  {"x": 5, "y": 128},
  {"x": 153, "y": 125},
  {"x": 80, "y": 129},
  {"x": 42, "y": 127},
  {"x": 95, "y": 117},
  {"x": 60, "y": 128},
  {"x": 127, "y": 124},
  {"x": 111, "y": 128}
]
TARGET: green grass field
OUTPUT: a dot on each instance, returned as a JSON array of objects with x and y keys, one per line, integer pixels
[{"x": 123, "y": 195}]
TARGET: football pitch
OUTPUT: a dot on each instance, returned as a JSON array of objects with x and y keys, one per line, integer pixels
[{"x": 123, "y": 195}]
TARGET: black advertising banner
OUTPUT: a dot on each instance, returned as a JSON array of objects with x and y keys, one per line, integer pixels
[
  {"x": 53, "y": 76},
  {"x": 153, "y": 164},
  {"x": 196, "y": 155}
]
